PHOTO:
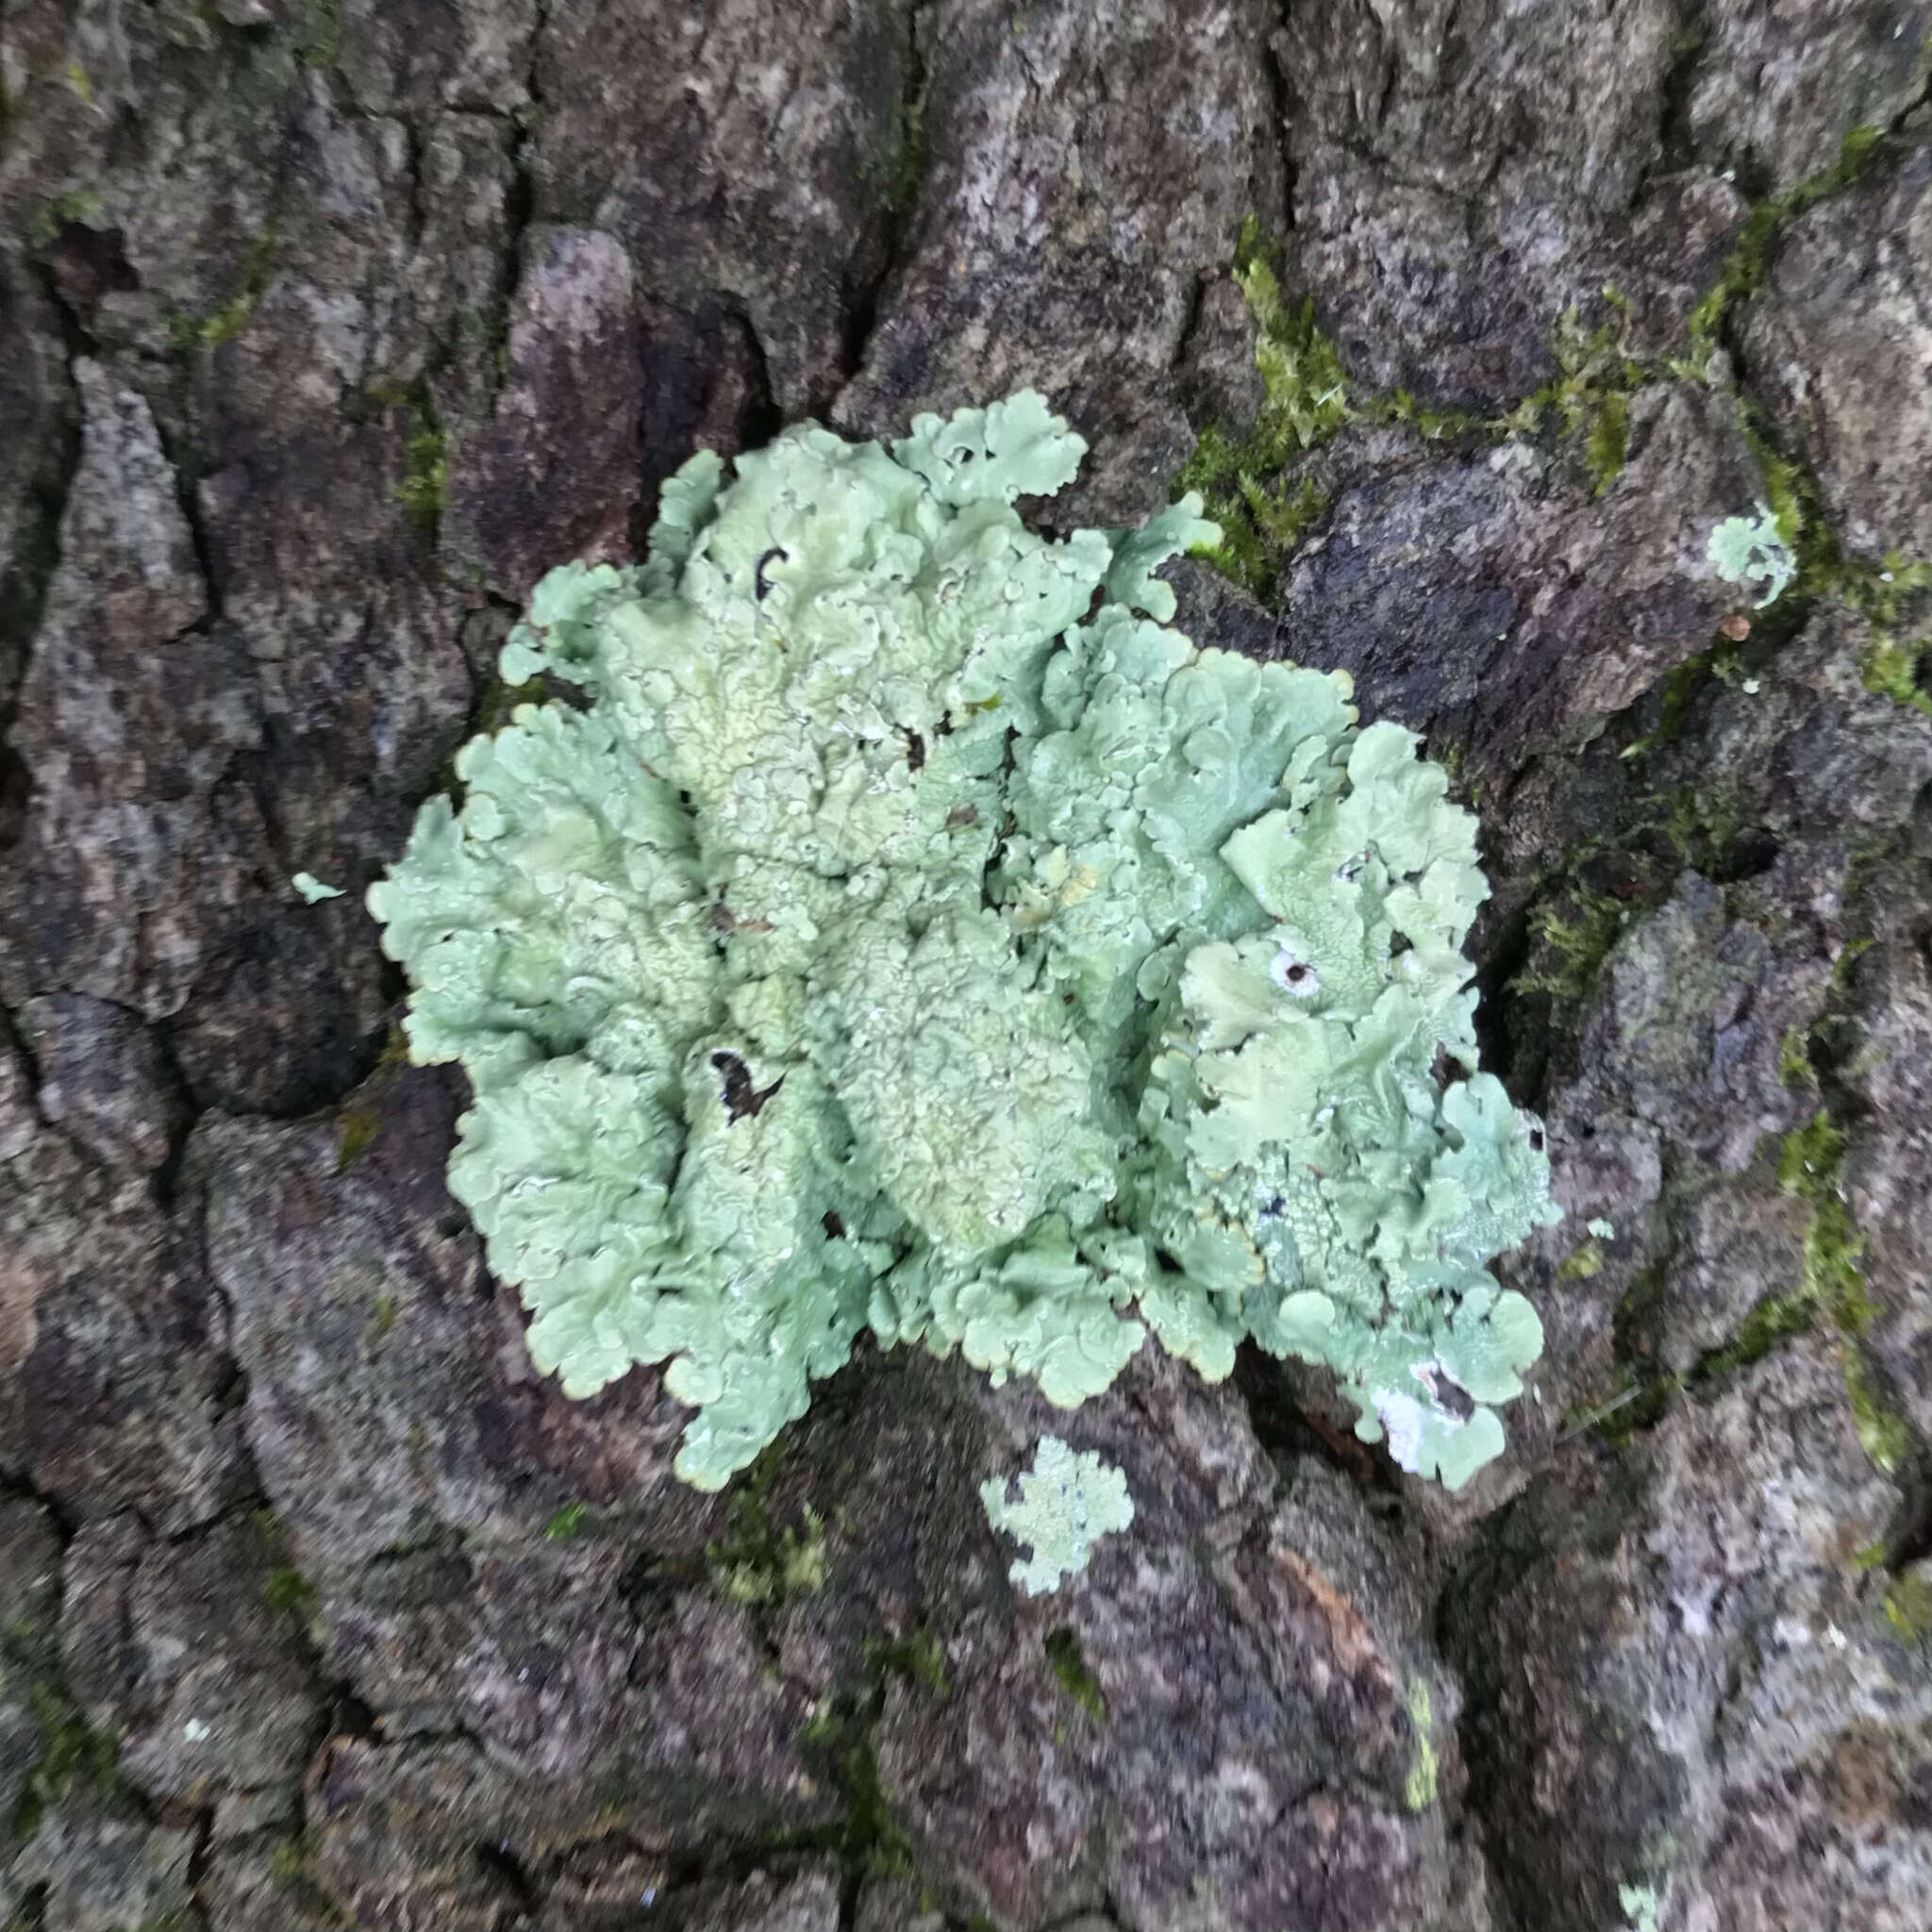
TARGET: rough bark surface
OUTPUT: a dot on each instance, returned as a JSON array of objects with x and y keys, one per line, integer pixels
[{"x": 327, "y": 325}]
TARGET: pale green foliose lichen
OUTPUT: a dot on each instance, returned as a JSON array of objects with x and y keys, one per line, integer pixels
[
  {"x": 1751, "y": 552},
  {"x": 1067, "y": 1501},
  {"x": 1639, "y": 1904},
  {"x": 916, "y": 934}
]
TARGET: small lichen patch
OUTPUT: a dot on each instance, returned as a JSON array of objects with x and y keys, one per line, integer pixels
[
  {"x": 1067, "y": 1502},
  {"x": 1751, "y": 552}
]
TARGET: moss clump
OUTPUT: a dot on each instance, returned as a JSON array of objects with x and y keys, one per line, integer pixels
[
  {"x": 320, "y": 41},
  {"x": 1606, "y": 439},
  {"x": 1573, "y": 948},
  {"x": 287, "y": 1589},
  {"x": 1891, "y": 670},
  {"x": 1884, "y": 1435},
  {"x": 73, "y": 1756},
  {"x": 233, "y": 315},
  {"x": 1772, "y": 1323},
  {"x": 360, "y": 1122},
  {"x": 1677, "y": 693},
  {"x": 567, "y": 1523},
  {"x": 1891, "y": 667},
  {"x": 759, "y": 1563},
  {"x": 1794, "y": 1060},
  {"x": 425, "y": 489},
  {"x": 1070, "y": 1669},
  {"x": 1750, "y": 254},
  {"x": 872, "y": 1841},
  {"x": 1583, "y": 1262},
  {"x": 81, "y": 205},
  {"x": 1809, "y": 1167},
  {"x": 1909, "y": 1606},
  {"x": 1239, "y": 477},
  {"x": 918, "y": 1658},
  {"x": 284, "y": 1587},
  {"x": 1419, "y": 1793},
  {"x": 1590, "y": 394}
]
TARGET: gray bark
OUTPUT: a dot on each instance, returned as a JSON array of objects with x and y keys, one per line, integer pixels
[{"x": 325, "y": 326}]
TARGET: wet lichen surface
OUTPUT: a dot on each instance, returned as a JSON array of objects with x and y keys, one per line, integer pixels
[{"x": 327, "y": 328}]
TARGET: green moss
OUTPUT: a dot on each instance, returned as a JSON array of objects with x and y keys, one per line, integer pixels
[
  {"x": 760, "y": 1562},
  {"x": 1794, "y": 1060},
  {"x": 1702, "y": 826},
  {"x": 1606, "y": 439},
  {"x": 1771, "y": 1323},
  {"x": 287, "y": 1589},
  {"x": 872, "y": 1841},
  {"x": 288, "y": 1861},
  {"x": 1833, "y": 1271},
  {"x": 1583, "y": 1263},
  {"x": 1891, "y": 670},
  {"x": 360, "y": 1122},
  {"x": 80, "y": 205},
  {"x": 918, "y": 1658},
  {"x": 1301, "y": 373},
  {"x": 355, "y": 1134},
  {"x": 284, "y": 1587},
  {"x": 567, "y": 1523},
  {"x": 1884, "y": 1435},
  {"x": 1809, "y": 1162},
  {"x": 1573, "y": 948},
  {"x": 1787, "y": 489},
  {"x": 1306, "y": 401},
  {"x": 1808, "y": 1156},
  {"x": 1750, "y": 254},
  {"x": 1809, "y": 1167},
  {"x": 1676, "y": 694},
  {"x": 209, "y": 332},
  {"x": 1432, "y": 424},
  {"x": 1878, "y": 591},
  {"x": 1419, "y": 1793},
  {"x": 1642, "y": 1399},
  {"x": 75, "y": 1758},
  {"x": 1284, "y": 517},
  {"x": 1909, "y": 1608},
  {"x": 1070, "y": 1668},
  {"x": 425, "y": 489},
  {"x": 1590, "y": 394},
  {"x": 320, "y": 40}
]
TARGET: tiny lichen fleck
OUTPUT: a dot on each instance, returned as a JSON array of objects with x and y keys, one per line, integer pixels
[
  {"x": 1752, "y": 553},
  {"x": 1067, "y": 1501},
  {"x": 314, "y": 890}
]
